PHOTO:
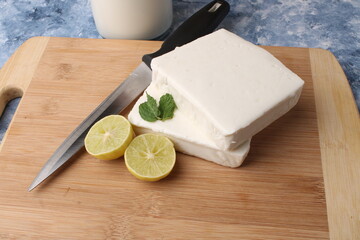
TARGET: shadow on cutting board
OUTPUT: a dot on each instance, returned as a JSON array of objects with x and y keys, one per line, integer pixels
[{"x": 8, "y": 115}]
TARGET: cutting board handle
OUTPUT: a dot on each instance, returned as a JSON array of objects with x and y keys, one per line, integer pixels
[
  {"x": 200, "y": 24},
  {"x": 19, "y": 69}
]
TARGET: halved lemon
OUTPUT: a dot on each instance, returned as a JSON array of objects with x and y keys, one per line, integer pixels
[
  {"x": 150, "y": 157},
  {"x": 108, "y": 138}
]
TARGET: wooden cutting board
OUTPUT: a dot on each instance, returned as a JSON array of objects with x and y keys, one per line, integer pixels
[{"x": 300, "y": 180}]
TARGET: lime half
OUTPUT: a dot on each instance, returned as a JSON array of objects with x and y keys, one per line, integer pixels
[
  {"x": 109, "y": 137},
  {"x": 150, "y": 157}
]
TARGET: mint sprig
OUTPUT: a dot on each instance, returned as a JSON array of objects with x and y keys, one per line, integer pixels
[{"x": 150, "y": 111}]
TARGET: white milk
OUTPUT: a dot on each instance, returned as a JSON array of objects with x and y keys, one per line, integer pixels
[{"x": 132, "y": 19}]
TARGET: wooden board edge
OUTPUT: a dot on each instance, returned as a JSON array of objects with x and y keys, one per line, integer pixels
[
  {"x": 18, "y": 71},
  {"x": 339, "y": 135}
]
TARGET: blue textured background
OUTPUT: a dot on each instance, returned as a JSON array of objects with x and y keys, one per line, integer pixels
[{"x": 332, "y": 25}]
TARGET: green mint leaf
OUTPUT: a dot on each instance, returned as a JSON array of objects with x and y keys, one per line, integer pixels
[
  {"x": 167, "y": 106},
  {"x": 146, "y": 114},
  {"x": 149, "y": 110},
  {"x": 151, "y": 102}
]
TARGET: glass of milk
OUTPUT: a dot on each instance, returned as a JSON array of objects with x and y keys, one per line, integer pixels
[{"x": 132, "y": 19}]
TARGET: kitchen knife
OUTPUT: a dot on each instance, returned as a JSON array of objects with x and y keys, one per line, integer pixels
[{"x": 201, "y": 23}]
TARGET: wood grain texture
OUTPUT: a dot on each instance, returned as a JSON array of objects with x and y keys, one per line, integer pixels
[
  {"x": 18, "y": 71},
  {"x": 339, "y": 130},
  {"x": 277, "y": 194}
]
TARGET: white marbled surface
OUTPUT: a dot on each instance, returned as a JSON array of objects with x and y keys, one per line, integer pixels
[{"x": 329, "y": 24}]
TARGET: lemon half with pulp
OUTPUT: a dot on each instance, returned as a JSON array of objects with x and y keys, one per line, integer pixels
[
  {"x": 108, "y": 138},
  {"x": 150, "y": 157}
]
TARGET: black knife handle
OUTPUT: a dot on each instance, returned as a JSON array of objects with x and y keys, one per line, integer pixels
[{"x": 200, "y": 24}]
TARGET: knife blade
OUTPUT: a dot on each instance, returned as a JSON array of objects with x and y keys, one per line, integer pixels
[{"x": 199, "y": 24}]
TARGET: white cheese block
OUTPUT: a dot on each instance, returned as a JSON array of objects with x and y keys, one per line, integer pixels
[
  {"x": 230, "y": 88},
  {"x": 186, "y": 137}
]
